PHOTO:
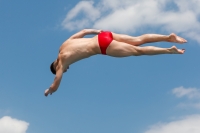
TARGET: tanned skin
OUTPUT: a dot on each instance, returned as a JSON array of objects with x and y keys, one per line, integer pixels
[{"x": 77, "y": 48}]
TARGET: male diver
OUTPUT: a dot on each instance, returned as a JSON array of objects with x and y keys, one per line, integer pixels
[{"x": 108, "y": 43}]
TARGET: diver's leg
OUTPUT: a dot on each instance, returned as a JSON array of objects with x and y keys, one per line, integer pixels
[
  {"x": 147, "y": 38},
  {"x": 121, "y": 49}
]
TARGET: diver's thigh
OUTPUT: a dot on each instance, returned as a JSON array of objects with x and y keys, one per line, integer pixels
[
  {"x": 121, "y": 49},
  {"x": 135, "y": 41}
]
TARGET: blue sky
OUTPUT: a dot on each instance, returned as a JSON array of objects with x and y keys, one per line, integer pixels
[{"x": 146, "y": 94}]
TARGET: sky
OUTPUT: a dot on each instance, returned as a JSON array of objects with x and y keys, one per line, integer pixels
[{"x": 143, "y": 94}]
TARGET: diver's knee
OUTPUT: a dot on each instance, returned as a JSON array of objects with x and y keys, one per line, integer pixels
[{"x": 138, "y": 51}]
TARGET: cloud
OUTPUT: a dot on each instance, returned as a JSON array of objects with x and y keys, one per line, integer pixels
[
  {"x": 130, "y": 16},
  {"x": 10, "y": 125},
  {"x": 191, "y": 93},
  {"x": 189, "y": 124},
  {"x": 85, "y": 8}
]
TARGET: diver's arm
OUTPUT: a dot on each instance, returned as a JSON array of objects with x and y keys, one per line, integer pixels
[
  {"x": 84, "y": 32},
  {"x": 56, "y": 83}
]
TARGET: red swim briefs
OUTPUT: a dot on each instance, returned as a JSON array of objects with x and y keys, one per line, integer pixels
[{"x": 104, "y": 38}]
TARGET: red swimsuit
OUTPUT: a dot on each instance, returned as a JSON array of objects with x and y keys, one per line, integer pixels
[{"x": 104, "y": 38}]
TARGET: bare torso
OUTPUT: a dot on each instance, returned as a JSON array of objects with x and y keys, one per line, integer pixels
[
  {"x": 73, "y": 50},
  {"x": 77, "y": 48}
]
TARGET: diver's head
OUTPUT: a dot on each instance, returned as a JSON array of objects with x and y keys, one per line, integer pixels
[
  {"x": 54, "y": 65},
  {"x": 52, "y": 68}
]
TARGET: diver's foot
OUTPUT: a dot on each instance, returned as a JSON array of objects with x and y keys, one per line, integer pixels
[
  {"x": 174, "y": 38},
  {"x": 174, "y": 50}
]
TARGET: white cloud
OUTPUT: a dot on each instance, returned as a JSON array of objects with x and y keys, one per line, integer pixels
[
  {"x": 85, "y": 8},
  {"x": 188, "y": 124},
  {"x": 132, "y": 15},
  {"x": 10, "y": 125},
  {"x": 191, "y": 93}
]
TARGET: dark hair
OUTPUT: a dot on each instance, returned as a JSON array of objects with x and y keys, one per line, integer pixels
[{"x": 52, "y": 68}]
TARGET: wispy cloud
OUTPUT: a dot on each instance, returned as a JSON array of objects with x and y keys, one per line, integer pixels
[
  {"x": 89, "y": 14},
  {"x": 132, "y": 15},
  {"x": 189, "y": 124},
  {"x": 192, "y": 94},
  {"x": 10, "y": 125}
]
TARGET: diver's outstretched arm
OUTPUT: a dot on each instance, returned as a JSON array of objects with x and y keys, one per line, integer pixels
[
  {"x": 84, "y": 32},
  {"x": 56, "y": 83}
]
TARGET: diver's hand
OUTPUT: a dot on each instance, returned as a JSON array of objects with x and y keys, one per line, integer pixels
[
  {"x": 99, "y": 31},
  {"x": 47, "y": 92}
]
